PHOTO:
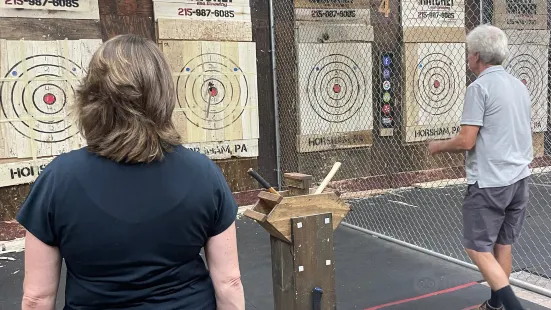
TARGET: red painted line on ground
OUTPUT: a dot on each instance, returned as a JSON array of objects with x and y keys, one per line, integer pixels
[{"x": 452, "y": 289}]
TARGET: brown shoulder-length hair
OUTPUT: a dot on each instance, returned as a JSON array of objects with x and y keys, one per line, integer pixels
[{"x": 125, "y": 103}]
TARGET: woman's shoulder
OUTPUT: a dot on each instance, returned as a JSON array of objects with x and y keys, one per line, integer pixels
[{"x": 191, "y": 157}]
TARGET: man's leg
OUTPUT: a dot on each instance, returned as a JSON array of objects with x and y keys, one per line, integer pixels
[
  {"x": 483, "y": 216},
  {"x": 515, "y": 214},
  {"x": 503, "y": 255}
]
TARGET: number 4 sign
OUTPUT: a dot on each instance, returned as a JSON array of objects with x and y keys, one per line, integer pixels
[{"x": 385, "y": 7}]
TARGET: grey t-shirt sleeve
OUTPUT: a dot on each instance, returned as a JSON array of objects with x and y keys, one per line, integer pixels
[{"x": 474, "y": 106}]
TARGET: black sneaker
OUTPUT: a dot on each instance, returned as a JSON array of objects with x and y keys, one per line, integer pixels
[{"x": 486, "y": 306}]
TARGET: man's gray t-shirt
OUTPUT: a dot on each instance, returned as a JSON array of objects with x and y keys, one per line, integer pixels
[{"x": 500, "y": 104}]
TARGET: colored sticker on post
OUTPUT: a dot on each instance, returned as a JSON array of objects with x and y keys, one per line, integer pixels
[
  {"x": 386, "y": 73},
  {"x": 386, "y": 85},
  {"x": 387, "y": 61},
  {"x": 386, "y": 97}
]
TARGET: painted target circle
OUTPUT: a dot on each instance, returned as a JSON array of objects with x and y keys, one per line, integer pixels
[
  {"x": 334, "y": 88},
  {"x": 41, "y": 89},
  {"x": 437, "y": 82},
  {"x": 527, "y": 69},
  {"x": 212, "y": 91}
]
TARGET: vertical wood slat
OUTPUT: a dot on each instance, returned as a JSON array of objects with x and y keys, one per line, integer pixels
[{"x": 304, "y": 264}]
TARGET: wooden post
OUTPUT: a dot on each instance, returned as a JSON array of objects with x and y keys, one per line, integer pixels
[
  {"x": 298, "y": 183},
  {"x": 305, "y": 264},
  {"x": 301, "y": 229}
]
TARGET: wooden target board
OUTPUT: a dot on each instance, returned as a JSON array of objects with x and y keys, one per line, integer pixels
[
  {"x": 37, "y": 89},
  {"x": 529, "y": 63},
  {"x": 433, "y": 20},
  {"x": 335, "y": 97},
  {"x": 217, "y": 105},
  {"x": 435, "y": 90}
]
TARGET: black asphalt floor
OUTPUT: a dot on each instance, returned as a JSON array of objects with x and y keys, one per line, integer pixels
[
  {"x": 431, "y": 218},
  {"x": 370, "y": 274}
]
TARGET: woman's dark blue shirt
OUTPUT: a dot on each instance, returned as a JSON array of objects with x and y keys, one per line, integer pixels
[{"x": 131, "y": 234}]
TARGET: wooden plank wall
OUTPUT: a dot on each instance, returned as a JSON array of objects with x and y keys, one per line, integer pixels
[{"x": 109, "y": 18}]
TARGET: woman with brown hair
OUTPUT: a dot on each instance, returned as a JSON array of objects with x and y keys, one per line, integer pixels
[{"x": 131, "y": 212}]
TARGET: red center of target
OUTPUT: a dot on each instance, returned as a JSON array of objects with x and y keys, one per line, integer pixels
[
  {"x": 49, "y": 99},
  {"x": 213, "y": 91},
  {"x": 436, "y": 84},
  {"x": 337, "y": 88},
  {"x": 524, "y": 81}
]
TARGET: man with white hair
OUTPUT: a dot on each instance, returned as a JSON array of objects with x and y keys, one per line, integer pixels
[{"x": 497, "y": 138}]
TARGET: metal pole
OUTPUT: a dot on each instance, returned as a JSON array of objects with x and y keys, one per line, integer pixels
[
  {"x": 519, "y": 283},
  {"x": 276, "y": 103}
]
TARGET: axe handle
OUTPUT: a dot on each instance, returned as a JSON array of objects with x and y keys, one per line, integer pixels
[{"x": 328, "y": 178}]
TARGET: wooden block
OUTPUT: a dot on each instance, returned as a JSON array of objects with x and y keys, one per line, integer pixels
[
  {"x": 361, "y": 15},
  {"x": 333, "y": 141},
  {"x": 294, "y": 206},
  {"x": 220, "y": 30},
  {"x": 39, "y": 79},
  {"x": 433, "y": 13},
  {"x": 434, "y": 34},
  {"x": 435, "y": 90},
  {"x": 515, "y": 14},
  {"x": 327, "y": 4},
  {"x": 86, "y": 9},
  {"x": 240, "y": 148},
  {"x": 334, "y": 102},
  {"x": 330, "y": 32},
  {"x": 15, "y": 28},
  {"x": 529, "y": 63},
  {"x": 298, "y": 183},
  {"x": 210, "y": 3},
  {"x": 520, "y": 37},
  {"x": 297, "y": 177},
  {"x": 314, "y": 259},
  {"x": 217, "y": 100},
  {"x": 200, "y": 13},
  {"x": 21, "y": 172},
  {"x": 257, "y": 216},
  {"x": 268, "y": 199}
]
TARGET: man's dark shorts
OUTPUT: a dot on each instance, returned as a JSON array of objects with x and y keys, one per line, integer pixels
[{"x": 493, "y": 215}]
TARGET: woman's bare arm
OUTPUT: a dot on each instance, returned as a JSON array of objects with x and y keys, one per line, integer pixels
[
  {"x": 223, "y": 263},
  {"x": 42, "y": 270}
]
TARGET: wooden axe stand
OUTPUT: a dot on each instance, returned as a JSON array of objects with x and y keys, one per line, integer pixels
[{"x": 301, "y": 228}]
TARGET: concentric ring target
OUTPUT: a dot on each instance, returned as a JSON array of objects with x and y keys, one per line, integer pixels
[
  {"x": 212, "y": 91},
  {"x": 335, "y": 87},
  {"x": 437, "y": 82},
  {"x": 526, "y": 68},
  {"x": 39, "y": 92}
]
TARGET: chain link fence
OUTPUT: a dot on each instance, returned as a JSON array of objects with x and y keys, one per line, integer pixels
[{"x": 368, "y": 83}]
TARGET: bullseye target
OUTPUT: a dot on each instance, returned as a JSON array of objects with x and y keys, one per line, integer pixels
[
  {"x": 334, "y": 92},
  {"x": 529, "y": 63},
  {"x": 213, "y": 91},
  {"x": 437, "y": 84},
  {"x": 333, "y": 88},
  {"x": 436, "y": 81},
  {"x": 526, "y": 68},
  {"x": 38, "y": 96}
]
